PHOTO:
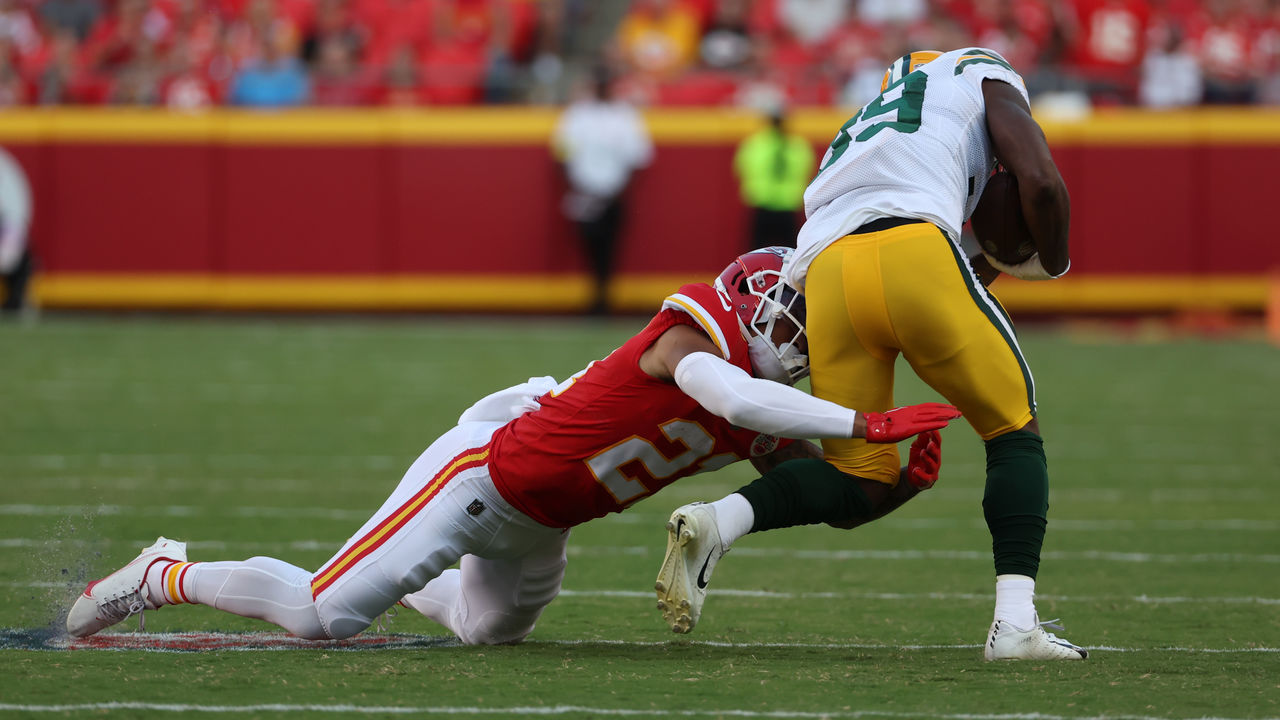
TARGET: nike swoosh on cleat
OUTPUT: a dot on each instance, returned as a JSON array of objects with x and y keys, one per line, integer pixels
[{"x": 702, "y": 579}]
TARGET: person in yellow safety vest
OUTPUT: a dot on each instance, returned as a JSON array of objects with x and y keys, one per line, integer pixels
[{"x": 773, "y": 169}]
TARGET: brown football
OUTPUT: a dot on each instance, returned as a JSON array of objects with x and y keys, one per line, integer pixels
[{"x": 998, "y": 223}]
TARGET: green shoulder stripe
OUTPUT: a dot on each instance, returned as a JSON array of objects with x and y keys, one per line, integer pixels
[{"x": 975, "y": 56}]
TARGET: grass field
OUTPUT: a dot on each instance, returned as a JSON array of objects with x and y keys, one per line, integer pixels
[{"x": 279, "y": 437}]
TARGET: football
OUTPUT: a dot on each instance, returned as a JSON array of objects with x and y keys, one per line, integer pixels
[{"x": 998, "y": 223}]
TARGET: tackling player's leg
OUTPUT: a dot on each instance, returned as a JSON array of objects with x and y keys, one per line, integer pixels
[
  {"x": 263, "y": 588},
  {"x": 424, "y": 527},
  {"x": 497, "y": 602},
  {"x": 797, "y": 492}
]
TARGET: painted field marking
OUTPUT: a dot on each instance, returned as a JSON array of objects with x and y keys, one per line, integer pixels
[
  {"x": 976, "y": 597},
  {"x": 184, "y": 511},
  {"x": 883, "y": 646},
  {"x": 836, "y": 595},
  {"x": 280, "y": 473},
  {"x": 645, "y": 551},
  {"x": 179, "y": 642},
  {"x": 559, "y": 710},
  {"x": 630, "y": 518}
]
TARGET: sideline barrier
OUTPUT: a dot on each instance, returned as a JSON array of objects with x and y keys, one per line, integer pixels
[{"x": 458, "y": 209}]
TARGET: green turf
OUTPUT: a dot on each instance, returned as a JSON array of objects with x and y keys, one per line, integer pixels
[{"x": 256, "y": 436}]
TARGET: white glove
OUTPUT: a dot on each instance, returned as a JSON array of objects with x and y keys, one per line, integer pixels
[
  {"x": 1029, "y": 269},
  {"x": 507, "y": 405}
]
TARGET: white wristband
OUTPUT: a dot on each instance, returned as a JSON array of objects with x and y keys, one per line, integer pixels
[{"x": 1029, "y": 269}]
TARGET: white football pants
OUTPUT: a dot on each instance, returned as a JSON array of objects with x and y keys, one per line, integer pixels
[{"x": 445, "y": 509}]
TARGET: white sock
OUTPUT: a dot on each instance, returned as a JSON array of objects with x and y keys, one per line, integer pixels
[
  {"x": 260, "y": 587},
  {"x": 1015, "y": 603},
  {"x": 734, "y": 517}
]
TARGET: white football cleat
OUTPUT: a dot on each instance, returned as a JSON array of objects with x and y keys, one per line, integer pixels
[
  {"x": 123, "y": 593},
  {"x": 693, "y": 549},
  {"x": 1006, "y": 642}
]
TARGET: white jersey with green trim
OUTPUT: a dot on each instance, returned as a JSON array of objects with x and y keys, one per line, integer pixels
[{"x": 919, "y": 150}]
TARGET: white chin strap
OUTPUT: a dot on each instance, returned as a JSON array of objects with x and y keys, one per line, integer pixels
[{"x": 772, "y": 365}]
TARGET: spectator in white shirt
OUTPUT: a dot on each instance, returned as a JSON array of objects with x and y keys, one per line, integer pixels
[
  {"x": 600, "y": 142},
  {"x": 1171, "y": 74},
  {"x": 15, "y": 218}
]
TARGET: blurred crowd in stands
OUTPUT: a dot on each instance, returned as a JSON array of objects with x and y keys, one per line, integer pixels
[{"x": 190, "y": 54}]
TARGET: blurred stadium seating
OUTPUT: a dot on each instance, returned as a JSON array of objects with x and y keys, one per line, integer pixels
[
  {"x": 194, "y": 53},
  {"x": 149, "y": 193}
]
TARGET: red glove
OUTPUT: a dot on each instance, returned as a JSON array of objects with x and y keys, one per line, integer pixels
[
  {"x": 901, "y": 423},
  {"x": 924, "y": 460}
]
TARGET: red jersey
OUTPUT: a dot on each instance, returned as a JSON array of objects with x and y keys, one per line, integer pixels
[
  {"x": 1111, "y": 35},
  {"x": 612, "y": 435}
]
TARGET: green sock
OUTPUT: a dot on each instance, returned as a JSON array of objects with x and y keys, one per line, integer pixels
[
  {"x": 1016, "y": 501},
  {"x": 804, "y": 492}
]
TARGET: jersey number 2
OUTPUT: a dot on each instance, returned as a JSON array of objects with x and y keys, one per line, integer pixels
[{"x": 607, "y": 465}]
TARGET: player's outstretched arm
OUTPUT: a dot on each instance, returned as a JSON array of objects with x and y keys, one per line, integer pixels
[
  {"x": 924, "y": 462},
  {"x": 688, "y": 357},
  {"x": 1019, "y": 144},
  {"x": 778, "y": 409}
]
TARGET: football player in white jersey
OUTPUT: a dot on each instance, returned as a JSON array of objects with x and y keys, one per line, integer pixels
[{"x": 884, "y": 272}]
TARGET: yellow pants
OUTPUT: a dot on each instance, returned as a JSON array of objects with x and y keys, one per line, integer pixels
[{"x": 908, "y": 290}]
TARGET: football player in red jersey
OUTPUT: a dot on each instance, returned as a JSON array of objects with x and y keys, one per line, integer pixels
[{"x": 705, "y": 384}]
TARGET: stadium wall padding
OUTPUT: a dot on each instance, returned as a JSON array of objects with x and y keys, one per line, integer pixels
[{"x": 459, "y": 209}]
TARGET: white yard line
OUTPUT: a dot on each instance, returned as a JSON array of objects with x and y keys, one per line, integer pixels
[
  {"x": 886, "y": 646},
  {"x": 754, "y": 552},
  {"x": 889, "y": 596},
  {"x": 630, "y": 518},
  {"x": 178, "y": 642},
  {"x": 348, "y": 709}
]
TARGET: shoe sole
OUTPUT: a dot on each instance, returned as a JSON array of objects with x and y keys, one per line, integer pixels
[{"x": 672, "y": 585}]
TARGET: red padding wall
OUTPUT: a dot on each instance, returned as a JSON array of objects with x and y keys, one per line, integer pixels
[{"x": 1179, "y": 206}]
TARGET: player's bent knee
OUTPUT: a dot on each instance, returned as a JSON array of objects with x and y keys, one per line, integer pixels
[
  {"x": 497, "y": 629},
  {"x": 339, "y": 620},
  {"x": 343, "y": 628}
]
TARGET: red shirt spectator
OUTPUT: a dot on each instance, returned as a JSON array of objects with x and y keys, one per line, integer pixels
[
  {"x": 393, "y": 24},
  {"x": 401, "y": 81},
  {"x": 1107, "y": 40},
  {"x": 196, "y": 30},
  {"x": 297, "y": 12},
  {"x": 188, "y": 87},
  {"x": 1225, "y": 37},
  {"x": 1017, "y": 29},
  {"x": 453, "y": 74},
  {"x": 62, "y": 75},
  {"x": 472, "y": 23},
  {"x": 139, "y": 81},
  {"x": 18, "y": 29},
  {"x": 13, "y": 88},
  {"x": 262, "y": 23},
  {"x": 116, "y": 39},
  {"x": 337, "y": 80}
]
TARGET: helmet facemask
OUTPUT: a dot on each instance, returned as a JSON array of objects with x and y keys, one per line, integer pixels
[
  {"x": 776, "y": 335},
  {"x": 770, "y": 313}
]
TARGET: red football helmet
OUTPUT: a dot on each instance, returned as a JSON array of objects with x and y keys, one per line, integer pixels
[{"x": 753, "y": 287}]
